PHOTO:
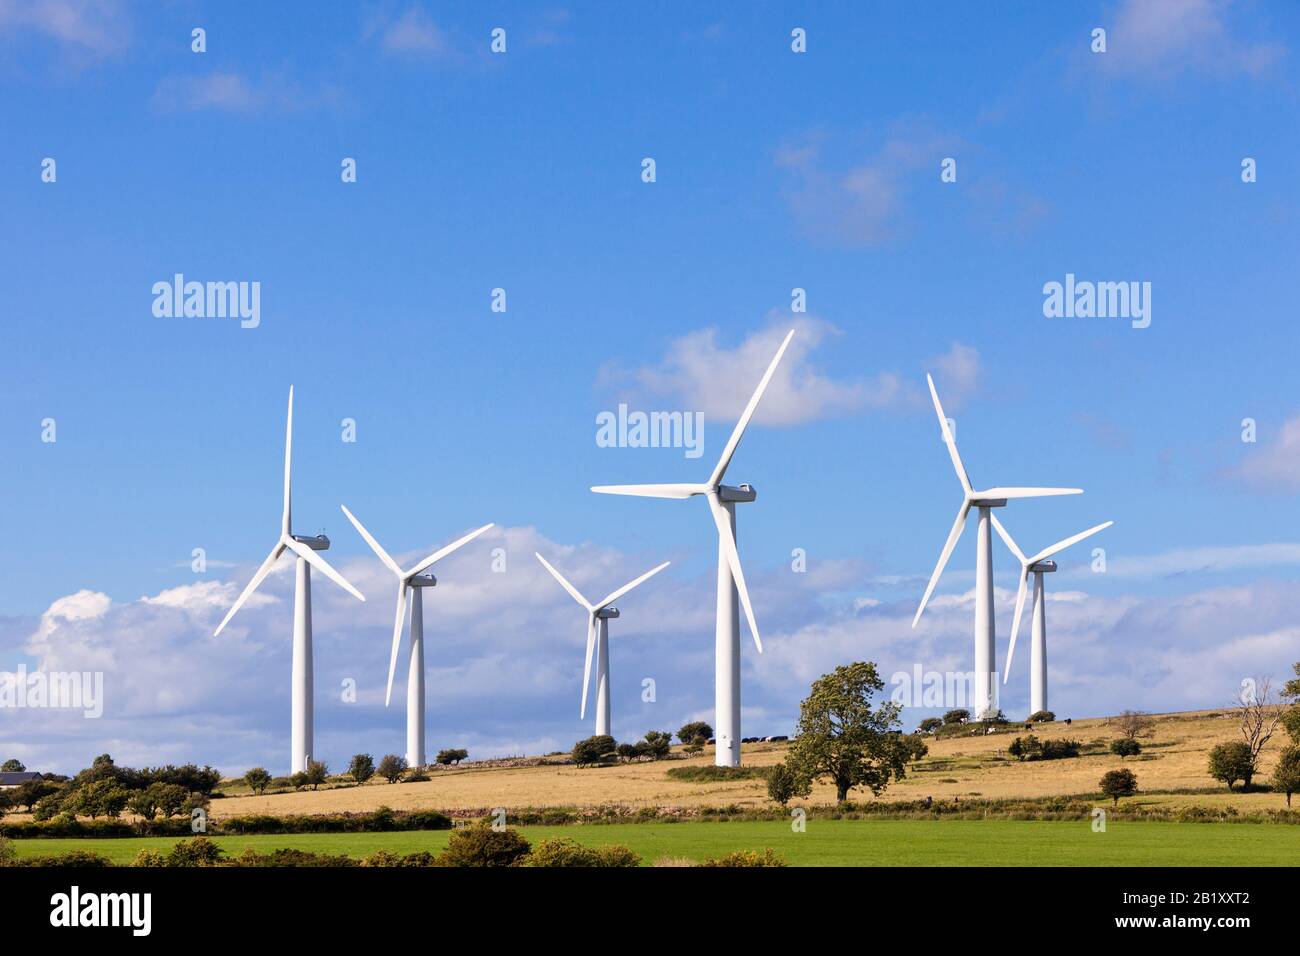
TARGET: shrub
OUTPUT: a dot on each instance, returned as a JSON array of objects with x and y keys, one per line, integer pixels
[
  {"x": 593, "y": 750},
  {"x": 283, "y": 857},
  {"x": 362, "y": 767},
  {"x": 710, "y": 773},
  {"x": 196, "y": 851},
  {"x": 693, "y": 748},
  {"x": 417, "y": 776},
  {"x": 258, "y": 779},
  {"x": 481, "y": 845},
  {"x": 382, "y": 858},
  {"x": 149, "y": 858},
  {"x": 929, "y": 725},
  {"x": 446, "y": 757},
  {"x": 695, "y": 732},
  {"x": 79, "y": 858},
  {"x": 1028, "y": 747},
  {"x": 1231, "y": 762},
  {"x": 1118, "y": 783},
  {"x": 958, "y": 716},
  {"x": 7, "y": 853},
  {"x": 565, "y": 852},
  {"x": 1125, "y": 747},
  {"x": 626, "y": 751},
  {"x": 392, "y": 767},
  {"x": 1042, "y": 717},
  {"x": 1060, "y": 749},
  {"x": 748, "y": 858}
]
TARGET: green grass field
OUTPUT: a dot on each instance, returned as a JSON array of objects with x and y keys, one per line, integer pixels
[{"x": 829, "y": 842}]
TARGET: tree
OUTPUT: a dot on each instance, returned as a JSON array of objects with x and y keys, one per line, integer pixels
[
  {"x": 783, "y": 784},
  {"x": 1119, "y": 783},
  {"x": 142, "y": 804},
  {"x": 454, "y": 756},
  {"x": 258, "y": 779},
  {"x": 100, "y": 798},
  {"x": 30, "y": 792},
  {"x": 591, "y": 750},
  {"x": 1232, "y": 762},
  {"x": 6, "y": 802},
  {"x": 929, "y": 725},
  {"x": 169, "y": 797},
  {"x": 362, "y": 767},
  {"x": 841, "y": 736},
  {"x": 1125, "y": 747},
  {"x": 12, "y": 765},
  {"x": 317, "y": 773},
  {"x": 656, "y": 744},
  {"x": 1042, "y": 717},
  {"x": 392, "y": 767},
  {"x": 1133, "y": 724},
  {"x": 627, "y": 751},
  {"x": 958, "y": 716},
  {"x": 1286, "y": 775},
  {"x": 695, "y": 732}
]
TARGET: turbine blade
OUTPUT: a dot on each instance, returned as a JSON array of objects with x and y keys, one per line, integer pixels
[
  {"x": 652, "y": 491},
  {"x": 725, "y": 459},
  {"x": 957, "y": 527},
  {"x": 1007, "y": 539},
  {"x": 286, "y": 516},
  {"x": 258, "y": 577},
  {"x": 321, "y": 565},
  {"x": 1015, "y": 624},
  {"x": 1073, "y": 539},
  {"x": 573, "y": 592},
  {"x": 723, "y": 521},
  {"x": 370, "y": 540},
  {"x": 948, "y": 438},
  {"x": 614, "y": 596},
  {"x": 1024, "y": 492},
  {"x": 397, "y": 639},
  {"x": 586, "y": 669},
  {"x": 443, "y": 552}
]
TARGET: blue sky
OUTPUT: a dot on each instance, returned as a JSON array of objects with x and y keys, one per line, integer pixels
[{"x": 522, "y": 171}]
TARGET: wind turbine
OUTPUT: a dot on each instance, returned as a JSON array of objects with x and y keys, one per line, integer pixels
[
  {"x": 1039, "y": 565},
  {"x": 985, "y": 654},
  {"x": 305, "y": 549},
  {"x": 598, "y": 617},
  {"x": 414, "y": 581},
  {"x": 722, "y": 501}
]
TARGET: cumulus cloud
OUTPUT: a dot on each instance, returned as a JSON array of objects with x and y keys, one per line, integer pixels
[
  {"x": 504, "y": 653},
  {"x": 705, "y": 375}
]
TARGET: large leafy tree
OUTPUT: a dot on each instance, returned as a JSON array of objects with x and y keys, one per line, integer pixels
[{"x": 842, "y": 736}]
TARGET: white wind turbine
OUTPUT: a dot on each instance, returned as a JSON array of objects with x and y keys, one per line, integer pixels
[
  {"x": 722, "y": 501},
  {"x": 1039, "y": 565},
  {"x": 305, "y": 549},
  {"x": 598, "y": 617},
  {"x": 414, "y": 581},
  {"x": 985, "y": 654}
]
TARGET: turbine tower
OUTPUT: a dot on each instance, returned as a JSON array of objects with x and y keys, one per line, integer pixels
[
  {"x": 598, "y": 617},
  {"x": 414, "y": 581},
  {"x": 1039, "y": 565},
  {"x": 984, "y": 501},
  {"x": 722, "y": 501},
  {"x": 305, "y": 548}
]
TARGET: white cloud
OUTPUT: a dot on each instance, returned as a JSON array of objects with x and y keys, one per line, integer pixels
[
  {"x": 411, "y": 33},
  {"x": 1165, "y": 38},
  {"x": 85, "y": 30},
  {"x": 704, "y": 375},
  {"x": 233, "y": 92},
  {"x": 1273, "y": 466}
]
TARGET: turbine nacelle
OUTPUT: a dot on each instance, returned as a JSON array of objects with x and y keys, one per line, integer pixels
[
  {"x": 1043, "y": 567},
  {"x": 317, "y": 542},
  {"x": 607, "y": 613},
  {"x": 422, "y": 581},
  {"x": 737, "y": 493}
]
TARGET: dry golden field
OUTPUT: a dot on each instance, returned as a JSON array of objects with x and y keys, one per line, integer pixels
[{"x": 1173, "y": 760}]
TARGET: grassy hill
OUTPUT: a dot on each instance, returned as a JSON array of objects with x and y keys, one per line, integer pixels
[{"x": 1171, "y": 769}]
